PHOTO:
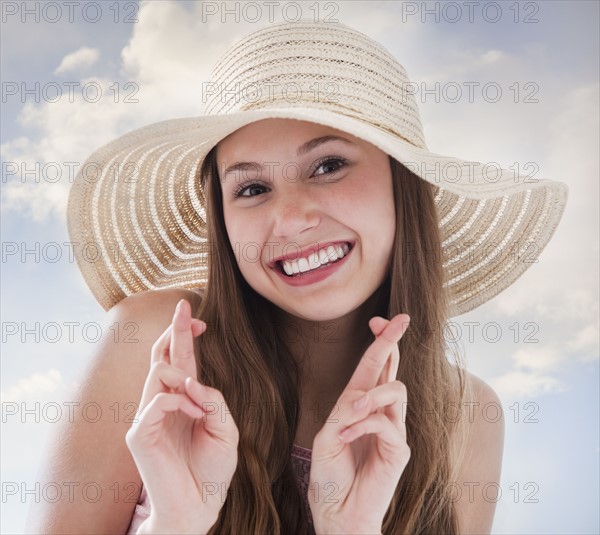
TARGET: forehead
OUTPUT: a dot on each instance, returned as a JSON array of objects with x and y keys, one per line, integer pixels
[{"x": 268, "y": 135}]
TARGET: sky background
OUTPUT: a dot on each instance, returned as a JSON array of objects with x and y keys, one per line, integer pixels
[{"x": 537, "y": 343}]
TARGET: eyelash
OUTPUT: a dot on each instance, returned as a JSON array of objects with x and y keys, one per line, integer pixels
[{"x": 328, "y": 159}]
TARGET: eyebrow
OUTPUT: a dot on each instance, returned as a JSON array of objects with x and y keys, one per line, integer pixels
[{"x": 302, "y": 149}]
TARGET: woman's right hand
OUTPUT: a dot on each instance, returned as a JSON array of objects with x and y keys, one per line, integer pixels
[{"x": 184, "y": 439}]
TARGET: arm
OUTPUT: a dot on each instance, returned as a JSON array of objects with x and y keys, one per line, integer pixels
[
  {"x": 95, "y": 452},
  {"x": 482, "y": 461}
]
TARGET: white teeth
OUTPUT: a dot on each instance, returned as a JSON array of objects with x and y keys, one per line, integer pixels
[
  {"x": 315, "y": 259},
  {"x": 303, "y": 265}
]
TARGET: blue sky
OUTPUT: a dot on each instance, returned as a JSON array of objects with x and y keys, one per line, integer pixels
[{"x": 550, "y": 377}]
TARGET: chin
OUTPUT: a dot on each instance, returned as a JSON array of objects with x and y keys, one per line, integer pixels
[{"x": 321, "y": 313}]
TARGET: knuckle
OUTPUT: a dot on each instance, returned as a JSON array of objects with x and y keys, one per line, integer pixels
[
  {"x": 157, "y": 370},
  {"x": 381, "y": 419},
  {"x": 215, "y": 395},
  {"x": 348, "y": 397},
  {"x": 130, "y": 437},
  {"x": 156, "y": 348},
  {"x": 186, "y": 354},
  {"x": 160, "y": 399},
  {"x": 158, "y": 367},
  {"x": 319, "y": 438},
  {"x": 158, "y": 343},
  {"x": 400, "y": 387},
  {"x": 370, "y": 360},
  {"x": 388, "y": 338}
]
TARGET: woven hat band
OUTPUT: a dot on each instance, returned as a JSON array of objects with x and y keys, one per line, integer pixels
[{"x": 333, "y": 71}]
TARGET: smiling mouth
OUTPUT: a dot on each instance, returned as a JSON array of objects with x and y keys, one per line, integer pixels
[{"x": 324, "y": 258}]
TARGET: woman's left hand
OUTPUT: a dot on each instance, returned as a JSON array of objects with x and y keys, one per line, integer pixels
[{"x": 361, "y": 451}]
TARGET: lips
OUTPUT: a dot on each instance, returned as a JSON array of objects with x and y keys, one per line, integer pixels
[
  {"x": 317, "y": 275},
  {"x": 311, "y": 258}
]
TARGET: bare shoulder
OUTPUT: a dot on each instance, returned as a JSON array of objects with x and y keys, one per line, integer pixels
[
  {"x": 154, "y": 305},
  {"x": 481, "y": 390},
  {"x": 95, "y": 450},
  {"x": 485, "y": 414},
  {"x": 133, "y": 325},
  {"x": 479, "y": 446}
]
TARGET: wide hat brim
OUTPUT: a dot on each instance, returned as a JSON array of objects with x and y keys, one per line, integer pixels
[{"x": 136, "y": 211}]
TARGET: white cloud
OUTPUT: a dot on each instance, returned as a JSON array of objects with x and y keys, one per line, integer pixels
[
  {"x": 533, "y": 372},
  {"x": 492, "y": 56},
  {"x": 32, "y": 408},
  {"x": 168, "y": 56},
  {"x": 539, "y": 359},
  {"x": 38, "y": 201},
  {"x": 63, "y": 134},
  {"x": 525, "y": 385},
  {"x": 536, "y": 368},
  {"x": 565, "y": 334},
  {"x": 171, "y": 53},
  {"x": 585, "y": 341},
  {"x": 570, "y": 154},
  {"x": 35, "y": 388},
  {"x": 80, "y": 59}
]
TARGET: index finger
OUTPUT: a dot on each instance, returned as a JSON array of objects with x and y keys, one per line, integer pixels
[
  {"x": 181, "y": 350},
  {"x": 371, "y": 364},
  {"x": 390, "y": 370}
]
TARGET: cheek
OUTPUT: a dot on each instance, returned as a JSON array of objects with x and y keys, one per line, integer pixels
[
  {"x": 374, "y": 214},
  {"x": 235, "y": 230},
  {"x": 243, "y": 231},
  {"x": 369, "y": 201}
]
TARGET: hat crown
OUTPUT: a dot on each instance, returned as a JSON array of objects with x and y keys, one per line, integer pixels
[{"x": 316, "y": 65}]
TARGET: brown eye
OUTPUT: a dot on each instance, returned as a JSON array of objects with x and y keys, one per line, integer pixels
[
  {"x": 330, "y": 165},
  {"x": 250, "y": 188}
]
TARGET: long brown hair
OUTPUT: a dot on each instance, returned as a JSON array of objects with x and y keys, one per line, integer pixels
[{"x": 245, "y": 355}]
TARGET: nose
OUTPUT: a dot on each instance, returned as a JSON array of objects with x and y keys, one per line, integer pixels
[{"x": 294, "y": 212}]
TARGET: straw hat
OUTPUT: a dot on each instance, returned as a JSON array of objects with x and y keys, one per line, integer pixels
[{"x": 137, "y": 211}]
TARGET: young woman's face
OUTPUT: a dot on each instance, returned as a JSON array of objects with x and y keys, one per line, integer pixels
[{"x": 299, "y": 187}]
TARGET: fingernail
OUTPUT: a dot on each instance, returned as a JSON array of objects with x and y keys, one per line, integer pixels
[{"x": 361, "y": 402}]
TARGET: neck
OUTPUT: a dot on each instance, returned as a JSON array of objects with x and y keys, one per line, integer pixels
[{"x": 328, "y": 352}]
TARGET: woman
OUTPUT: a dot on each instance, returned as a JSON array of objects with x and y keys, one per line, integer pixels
[{"x": 302, "y": 383}]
